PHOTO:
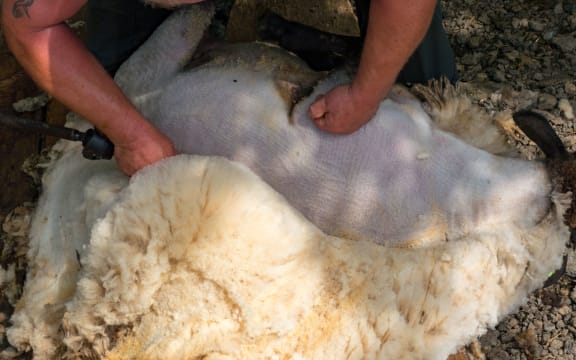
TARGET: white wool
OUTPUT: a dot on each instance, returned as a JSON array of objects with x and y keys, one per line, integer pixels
[
  {"x": 198, "y": 257},
  {"x": 448, "y": 107},
  {"x": 60, "y": 230}
]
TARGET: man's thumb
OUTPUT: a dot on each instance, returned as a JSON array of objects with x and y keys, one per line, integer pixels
[{"x": 318, "y": 107}]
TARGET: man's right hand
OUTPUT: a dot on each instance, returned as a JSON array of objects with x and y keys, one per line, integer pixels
[
  {"x": 142, "y": 151},
  {"x": 59, "y": 62}
]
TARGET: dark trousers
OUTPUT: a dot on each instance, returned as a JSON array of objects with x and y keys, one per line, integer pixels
[
  {"x": 432, "y": 59},
  {"x": 116, "y": 28}
]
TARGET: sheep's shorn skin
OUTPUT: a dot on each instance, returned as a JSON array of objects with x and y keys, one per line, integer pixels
[
  {"x": 275, "y": 240},
  {"x": 233, "y": 104}
]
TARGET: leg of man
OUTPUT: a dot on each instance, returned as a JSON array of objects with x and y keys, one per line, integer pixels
[
  {"x": 116, "y": 28},
  {"x": 432, "y": 59}
]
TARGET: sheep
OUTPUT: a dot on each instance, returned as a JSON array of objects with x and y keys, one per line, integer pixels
[{"x": 266, "y": 238}]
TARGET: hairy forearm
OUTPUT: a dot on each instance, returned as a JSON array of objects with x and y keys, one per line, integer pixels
[
  {"x": 395, "y": 29},
  {"x": 58, "y": 61}
]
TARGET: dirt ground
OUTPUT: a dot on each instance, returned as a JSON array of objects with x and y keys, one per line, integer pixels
[
  {"x": 15, "y": 146},
  {"x": 511, "y": 55}
]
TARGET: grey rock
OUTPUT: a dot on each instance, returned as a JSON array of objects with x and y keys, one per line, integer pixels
[
  {"x": 474, "y": 42},
  {"x": 547, "y": 101},
  {"x": 468, "y": 59},
  {"x": 570, "y": 88},
  {"x": 536, "y": 26},
  {"x": 556, "y": 344},
  {"x": 498, "y": 76},
  {"x": 538, "y": 76},
  {"x": 559, "y": 8},
  {"x": 549, "y": 327},
  {"x": 564, "y": 310},
  {"x": 549, "y": 34},
  {"x": 566, "y": 42}
]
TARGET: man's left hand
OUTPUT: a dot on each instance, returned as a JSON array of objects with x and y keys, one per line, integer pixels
[{"x": 340, "y": 112}]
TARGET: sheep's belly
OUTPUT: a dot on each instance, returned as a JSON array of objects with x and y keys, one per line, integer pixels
[{"x": 397, "y": 179}]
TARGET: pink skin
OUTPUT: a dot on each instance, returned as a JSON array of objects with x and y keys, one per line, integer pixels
[
  {"x": 395, "y": 29},
  {"x": 60, "y": 63}
]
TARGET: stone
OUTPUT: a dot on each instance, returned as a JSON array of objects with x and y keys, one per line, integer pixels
[
  {"x": 475, "y": 42},
  {"x": 556, "y": 344},
  {"x": 498, "y": 76},
  {"x": 334, "y": 16},
  {"x": 566, "y": 108},
  {"x": 571, "y": 270},
  {"x": 558, "y": 9},
  {"x": 566, "y": 42},
  {"x": 9, "y": 353},
  {"x": 536, "y": 26},
  {"x": 570, "y": 88},
  {"x": 547, "y": 101},
  {"x": 468, "y": 59}
]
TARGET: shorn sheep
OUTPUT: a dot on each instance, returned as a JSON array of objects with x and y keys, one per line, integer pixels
[{"x": 267, "y": 239}]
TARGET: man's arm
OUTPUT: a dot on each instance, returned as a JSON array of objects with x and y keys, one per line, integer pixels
[
  {"x": 60, "y": 63},
  {"x": 395, "y": 29}
]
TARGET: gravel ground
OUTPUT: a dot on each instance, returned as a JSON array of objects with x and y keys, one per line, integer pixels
[
  {"x": 515, "y": 55},
  {"x": 511, "y": 55}
]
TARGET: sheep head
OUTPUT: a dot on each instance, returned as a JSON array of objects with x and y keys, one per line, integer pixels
[{"x": 560, "y": 163}]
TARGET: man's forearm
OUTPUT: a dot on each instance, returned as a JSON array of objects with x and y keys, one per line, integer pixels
[
  {"x": 395, "y": 29},
  {"x": 58, "y": 61}
]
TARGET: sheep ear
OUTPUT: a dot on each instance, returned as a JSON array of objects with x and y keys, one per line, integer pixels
[{"x": 539, "y": 130}]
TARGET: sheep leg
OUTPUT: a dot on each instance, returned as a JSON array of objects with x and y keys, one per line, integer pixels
[
  {"x": 165, "y": 53},
  {"x": 323, "y": 51}
]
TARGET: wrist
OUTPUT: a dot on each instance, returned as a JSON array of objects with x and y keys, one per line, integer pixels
[
  {"x": 368, "y": 96},
  {"x": 130, "y": 129}
]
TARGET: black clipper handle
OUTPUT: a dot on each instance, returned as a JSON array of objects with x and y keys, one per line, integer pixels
[{"x": 96, "y": 146}]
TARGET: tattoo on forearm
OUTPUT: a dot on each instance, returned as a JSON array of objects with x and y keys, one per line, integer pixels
[{"x": 20, "y": 8}]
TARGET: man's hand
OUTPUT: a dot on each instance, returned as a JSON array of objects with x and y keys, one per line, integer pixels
[
  {"x": 388, "y": 45},
  {"x": 341, "y": 111},
  {"x": 142, "y": 151}
]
